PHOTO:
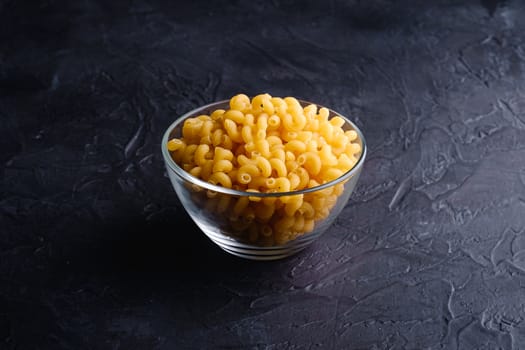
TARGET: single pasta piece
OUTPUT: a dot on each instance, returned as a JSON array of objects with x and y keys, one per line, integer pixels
[
  {"x": 295, "y": 146},
  {"x": 260, "y": 135},
  {"x": 279, "y": 167},
  {"x": 264, "y": 166},
  {"x": 351, "y": 134},
  {"x": 242, "y": 159},
  {"x": 247, "y": 172},
  {"x": 263, "y": 147},
  {"x": 324, "y": 113},
  {"x": 217, "y": 114},
  {"x": 289, "y": 155},
  {"x": 205, "y": 140},
  {"x": 222, "y": 153},
  {"x": 328, "y": 159},
  {"x": 259, "y": 102},
  {"x": 345, "y": 162},
  {"x": 293, "y": 204},
  {"x": 313, "y": 145},
  {"x": 303, "y": 176},
  {"x": 190, "y": 130},
  {"x": 240, "y": 205},
  {"x": 231, "y": 129},
  {"x": 274, "y": 122},
  {"x": 339, "y": 144},
  {"x": 246, "y": 133},
  {"x": 295, "y": 180},
  {"x": 249, "y": 119},
  {"x": 222, "y": 165},
  {"x": 195, "y": 171},
  {"x": 353, "y": 148},
  {"x": 188, "y": 155},
  {"x": 202, "y": 153},
  {"x": 332, "y": 174},
  {"x": 175, "y": 144},
  {"x": 240, "y": 102},
  {"x": 226, "y": 142},
  {"x": 339, "y": 188},
  {"x": 220, "y": 178},
  {"x": 292, "y": 102},
  {"x": 310, "y": 111},
  {"x": 279, "y": 153},
  {"x": 262, "y": 122},
  {"x": 206, "y": 171},
  {"x": 207, "y": 127},
  {"x": 236, "y": 116},
  {"x": 304, "y": 136},
  {"x": 311, "y": 162},
  {"x": 337, "y": 121},
  {"x": 279, "y": 104},
  {"x": 282, "y": 184},
  {"x": 307, "y": 210},
  {"x": 249, "y": 147}
]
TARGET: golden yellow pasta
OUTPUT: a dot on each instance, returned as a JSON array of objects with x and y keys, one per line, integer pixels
[
  {"x": 267, "y": 144},
  {"x": 240, "y": 102},
  {"x": 293, "y": 204},
  {"x": 311, "y": 161},
  {"x": 247, "y": 172},
  {"x": 196, "y": 171},
  {"x": 201, "y": 154},
  {"x": 222, "y": 153},
  {"x": 222, "y": 165},
  {"x": 295, "y": 146},
  {"x": 263, "y": 148},
  {"x": 232, "y": 130},
  {"x": 234, "y": 115},
  {"x": 246, "y": 134},
  {"x": 220, "y": 178},
  {"x": 206, "y": 170},
  {"x": 278, "y": 167},
  {"x": 175, "y": 144}
]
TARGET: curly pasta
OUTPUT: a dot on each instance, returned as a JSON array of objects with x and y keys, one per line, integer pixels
[{"x": 268, "y": 144}]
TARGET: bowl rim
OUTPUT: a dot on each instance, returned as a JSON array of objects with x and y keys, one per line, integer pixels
[{"x": 229, "y": 191}]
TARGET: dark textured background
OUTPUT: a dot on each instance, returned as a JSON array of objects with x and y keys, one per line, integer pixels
[{"x": 97, "y": 253}]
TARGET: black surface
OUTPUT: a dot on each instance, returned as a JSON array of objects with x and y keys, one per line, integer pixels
[{"x": 97, "y": 253}]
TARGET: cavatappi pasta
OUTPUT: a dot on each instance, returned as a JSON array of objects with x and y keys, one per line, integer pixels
[{"x": 267, "y": 144}]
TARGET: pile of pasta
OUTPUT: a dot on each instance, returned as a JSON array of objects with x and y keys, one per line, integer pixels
[{"x": 267, "y": 144}]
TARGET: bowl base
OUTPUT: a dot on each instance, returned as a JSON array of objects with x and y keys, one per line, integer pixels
[
  {"x": 253, "y": 252},
  {"x": 267, "y": 256}
]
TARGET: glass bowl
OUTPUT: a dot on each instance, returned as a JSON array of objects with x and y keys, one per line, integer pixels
[{"x": 272, "y": 233}]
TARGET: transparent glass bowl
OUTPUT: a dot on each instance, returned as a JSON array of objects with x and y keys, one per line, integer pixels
[{"x": 271, "y": 234}]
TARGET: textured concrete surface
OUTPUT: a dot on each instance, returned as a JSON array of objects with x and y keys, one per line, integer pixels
[{"x": 97, "y": 253}]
